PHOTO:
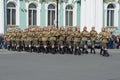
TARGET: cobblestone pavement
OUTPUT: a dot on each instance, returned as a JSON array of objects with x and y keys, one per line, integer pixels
[{"x": 34, "y": 66}]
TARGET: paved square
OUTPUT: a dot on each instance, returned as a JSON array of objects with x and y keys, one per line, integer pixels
[{"x": 33, "y": 66}]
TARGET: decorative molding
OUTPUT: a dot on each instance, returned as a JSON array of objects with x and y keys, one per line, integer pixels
[{"x": 107, "y": 1}]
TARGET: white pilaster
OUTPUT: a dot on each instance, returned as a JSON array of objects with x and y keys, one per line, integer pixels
[
  {"x": 2, "y": 16},
  {"x": 88, "y": 14},
  {"x": 75, "y": 14},
  {"x": 99, "y": 15}
]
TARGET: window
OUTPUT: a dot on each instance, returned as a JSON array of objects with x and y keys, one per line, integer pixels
[
  {"x": 110, "y": 15},
  {"x": 32, "y": 14},
  {"x": 51, "y": 15},
  {"x": 69, "y": 15},
  {"x": 11, "y": 14}
]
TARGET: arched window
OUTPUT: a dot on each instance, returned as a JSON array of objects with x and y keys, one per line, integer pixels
[
  {"x": 32, "y": 14},
  {"x": 110, "y": 15},
  {"x": 11, "y": 14},
  {"x": 69, "y": 15},
  {"x": 51, "y": 14}
]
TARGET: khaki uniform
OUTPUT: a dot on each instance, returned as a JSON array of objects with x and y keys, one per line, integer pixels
[
  {"x": 93, "y": 37},
  {"x": 62, "y": 35},
  {"x": 29, "y": 38},
  {"x": 45, "y": 37},
  {"x": 104, "y": 36},
  {"x": 53, "y": 34},
  {"x": 13, "y": 38},
  {"x": 18, "y": 38},
  {"x": 85, "y": 35},
  {"x": 8, "y": 38},
  {"x": 77, "y": 38},
  {"x": 70, "y": 35}
]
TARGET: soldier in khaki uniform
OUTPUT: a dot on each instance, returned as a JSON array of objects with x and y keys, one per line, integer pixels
[
  {"x": 40, "y": 40},
  {"x": 25, "y": 39},
  {"x": 93, "y": 37},
  {"x": 53, "y": 34},
  {"x": 61, "y": 39},
  {"x": 104, "y": 36},
  {"x": 30, "y": 38},
  {"x": 8, "y": 38},
  {"x": 35, "y": 39},
  {"x": 69, "y": 39},
  {"x": 85, "y": 35},
  {"x": 45, "y": 37},
  {"x": 77, "y": 39},
  {"x": 13, "y": 39},
  {"x": 18, "y": 40}
]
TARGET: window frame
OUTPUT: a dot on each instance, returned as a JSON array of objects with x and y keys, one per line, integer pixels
[
  {"x": 11, "y": 14},
  {"x": 31, "y": 23}
]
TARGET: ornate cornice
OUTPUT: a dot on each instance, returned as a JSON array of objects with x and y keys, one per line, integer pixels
[{"x": 107, "y": 1}]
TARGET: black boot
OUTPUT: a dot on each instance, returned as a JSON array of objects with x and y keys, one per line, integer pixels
[
  {"x": 86, "y": 51},
  {"x": 83, "y": 50},
  {"x": 53, "y": 50},
  {"x": 79, "y": 52},
  {"x": 101, "y": 50},
  {"x": 105, "y": 53},
  {"x": 37, "y": 49},
  {"x": 93, "y": 49},
  {"x": 30, "y": 49},
  {"x": 18, "y": 49},
  {"x": 8, "y": 48},
  {"x": 46, "y": 51}
]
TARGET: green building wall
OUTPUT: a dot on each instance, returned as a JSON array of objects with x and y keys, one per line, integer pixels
[
  {"x": 23, "y": 15},
  {"x": 78, "y": 14}
]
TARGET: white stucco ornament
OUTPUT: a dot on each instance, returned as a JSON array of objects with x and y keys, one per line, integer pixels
[{"x": 107, "y": 1}]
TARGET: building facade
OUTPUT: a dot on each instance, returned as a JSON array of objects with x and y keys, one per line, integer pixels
[{"x": 25, "y": 13}]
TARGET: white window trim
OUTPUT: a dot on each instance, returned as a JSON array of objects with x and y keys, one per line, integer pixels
[
  {"x": 115, "y": 13},
  {"x": 17, "y": 12},
  {"x": 38, "y": 13},
  {"x": 53, "y": 3},
  {"x": 68, "y": 11}
]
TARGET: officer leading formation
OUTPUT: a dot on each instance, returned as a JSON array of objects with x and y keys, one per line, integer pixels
[{"x": 53, "y": 40}]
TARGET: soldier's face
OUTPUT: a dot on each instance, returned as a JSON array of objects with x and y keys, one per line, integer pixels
[
  {"x": 85, "y": 28},
  {"x": 103, "y": 29},
  {"x": 93, "y": 28}
]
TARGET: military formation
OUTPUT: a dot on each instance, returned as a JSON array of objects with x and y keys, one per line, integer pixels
[{"x": 52, "y": 40}]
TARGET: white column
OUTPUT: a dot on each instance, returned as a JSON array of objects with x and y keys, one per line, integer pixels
[
  {"x": 64, "y": 14},
  {"x": 88, "y": 14},
  {"x": 83, "y": 13},
  {"x": 75, "y": 14},
  {"x": 99, "y": 15},
  {"x": 2, "y": 16}
]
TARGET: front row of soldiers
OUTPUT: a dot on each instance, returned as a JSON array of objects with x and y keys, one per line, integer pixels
[{"x": 50, "y": 39}]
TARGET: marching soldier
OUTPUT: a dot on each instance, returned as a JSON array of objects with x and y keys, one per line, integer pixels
[
  {"x": 25, "y": 39},
  {"x": 45, "y": 37},
  {"x": 13, "y": 39},
  {"x": 85, "y": 35},
  {"x": 18, "y": 40},
  {"x": 53, "y": 34},
  {"x": 104, "y": 36},
  {"x": 69, "y": 39},
  {"x": 8, "y": 38},
  {"x": 93, "y": 37},
  {"x": 61, "y": 40},
  {"x": 77, "y": 39},
  {"x": 35, "y": 42}
]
